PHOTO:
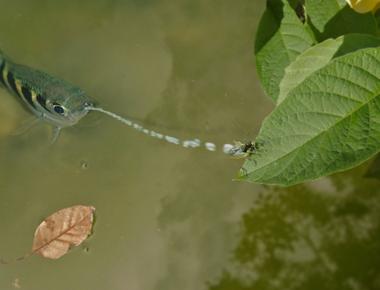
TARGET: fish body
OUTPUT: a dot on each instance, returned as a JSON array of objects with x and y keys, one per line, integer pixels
[{"x": 49, "y": 98}]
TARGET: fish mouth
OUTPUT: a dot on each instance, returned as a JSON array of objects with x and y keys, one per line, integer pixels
[
  {"x": 88, "y": 108},
  {"x": 89, "y": 104}
]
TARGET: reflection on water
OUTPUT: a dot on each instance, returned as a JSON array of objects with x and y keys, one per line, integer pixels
[
  {"x": 167, "y": 217},
  {"x": 310, "y": 238}
]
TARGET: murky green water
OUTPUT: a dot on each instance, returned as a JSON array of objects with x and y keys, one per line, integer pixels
[{"x": 168, "y": 218}]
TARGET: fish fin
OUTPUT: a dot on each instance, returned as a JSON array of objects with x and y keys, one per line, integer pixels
[
  {"x": 26, "y": 126},
  {"x": 55, "y": 134}
]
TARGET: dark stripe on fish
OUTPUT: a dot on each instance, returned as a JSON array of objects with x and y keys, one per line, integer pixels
[
  {"x": 1, "y": 73},
  {"x": 27, "y": 96},
  {"x": 12, "y": 83},
  {"x": 42, "y": 101}
]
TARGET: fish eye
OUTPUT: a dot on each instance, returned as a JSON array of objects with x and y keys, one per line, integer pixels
[{"x": 58, "y": 109}]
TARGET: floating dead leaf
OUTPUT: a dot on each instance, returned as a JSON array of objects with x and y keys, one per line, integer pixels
[{"x": 62, "y": 230}]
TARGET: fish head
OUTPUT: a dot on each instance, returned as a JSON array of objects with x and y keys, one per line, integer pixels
[{"x": 65, "y": 106}]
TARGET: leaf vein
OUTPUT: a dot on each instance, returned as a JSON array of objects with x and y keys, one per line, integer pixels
[
  {"x": 347, "y": 81},
  {"x": 349, "y": 115},
  {"x": 362, "y": 70}
]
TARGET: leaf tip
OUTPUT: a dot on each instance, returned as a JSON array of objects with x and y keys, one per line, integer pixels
[{"x": 242, "y": 174}]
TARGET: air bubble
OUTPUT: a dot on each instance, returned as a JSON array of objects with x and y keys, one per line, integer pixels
[{"x": 83, "y": 165}]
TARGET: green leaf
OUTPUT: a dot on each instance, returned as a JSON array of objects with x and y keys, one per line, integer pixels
[
  {"x": 329, "y": 123},
  {"x": 322, "y": 11},
  {"x": 306, "y": 63},
  {"x": 320, "y": 55},
  {"x": 270, "y": 22},
  {"x": 333, "y": 18},
  {"x": 290, "y": 40}
]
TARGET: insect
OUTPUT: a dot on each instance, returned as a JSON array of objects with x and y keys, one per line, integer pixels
[
  {"x": 240, "y": 149},
  {"x": 301, "y": 12},
  {"x": 62, "y": 104}
]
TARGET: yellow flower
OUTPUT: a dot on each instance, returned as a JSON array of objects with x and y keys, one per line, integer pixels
[{"x": 364, "y": 6}]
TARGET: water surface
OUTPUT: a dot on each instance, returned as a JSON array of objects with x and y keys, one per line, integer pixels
[{"x": 167, "y": 217}]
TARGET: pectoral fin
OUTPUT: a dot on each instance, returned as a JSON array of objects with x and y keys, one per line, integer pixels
[
  {"x": 55, "y": 134},
  {"x": 26, "y": 126}
]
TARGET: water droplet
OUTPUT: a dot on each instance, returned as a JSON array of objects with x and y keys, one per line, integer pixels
[
  {"x": 191, "y": 143},
  {"x": 210, "y": 146}
]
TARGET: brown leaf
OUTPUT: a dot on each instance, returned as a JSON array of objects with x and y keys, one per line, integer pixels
[{"x": 63, "y": 229}]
